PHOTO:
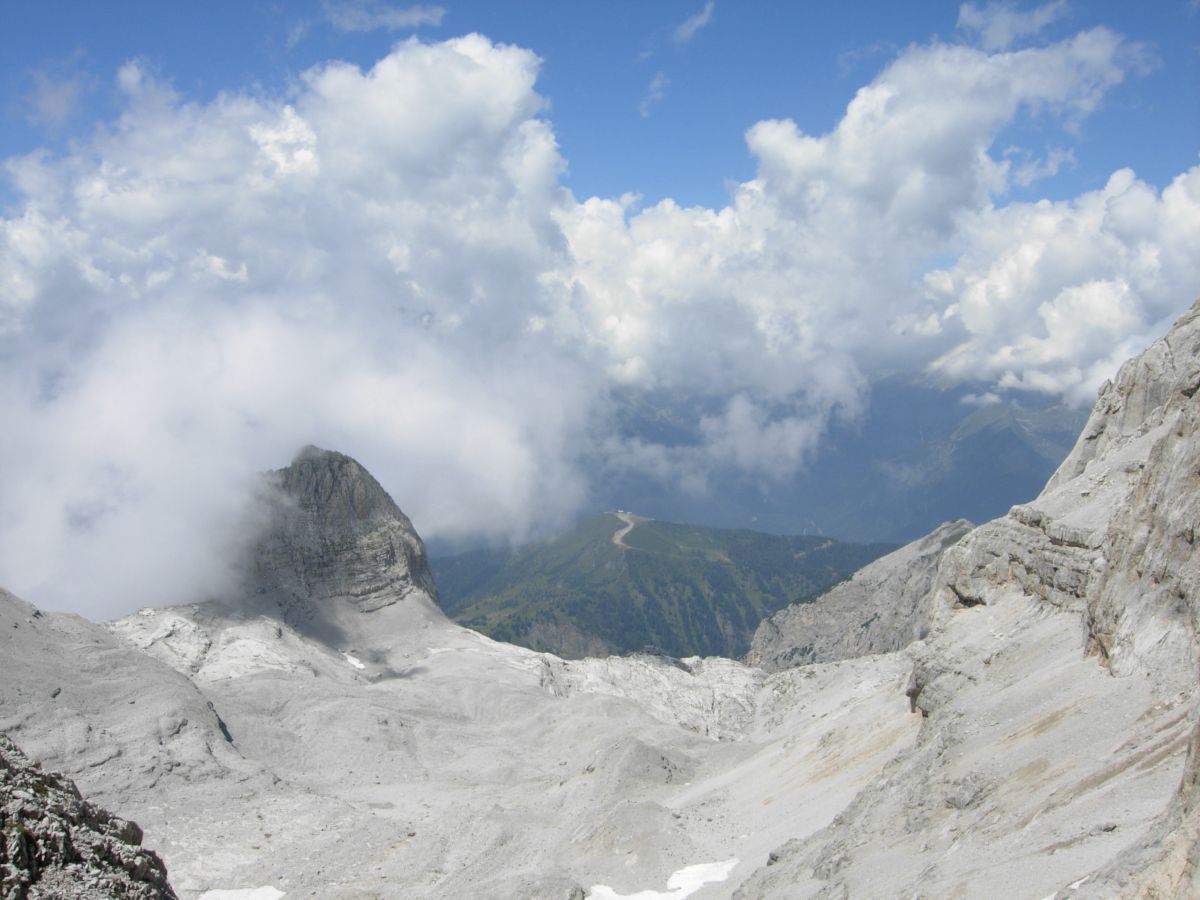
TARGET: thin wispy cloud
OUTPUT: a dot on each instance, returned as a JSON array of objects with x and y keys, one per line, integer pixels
[
  {"x": 654, "y": 93},
  {"x": 1000, "y": 25},
  {"x": 371, "y": 15},
  {"x": 849, "y": 60},
  {"x": 58, "y": 89},
  {"x": 296, "y": 32},
  {"x": 692, "y": 26}
]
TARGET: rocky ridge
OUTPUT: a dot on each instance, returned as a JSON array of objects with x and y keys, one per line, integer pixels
[
  {"x": 879, "y": 609},
  {"x": 54, "y": 844},
  {"x": 1058, "y": 687}
]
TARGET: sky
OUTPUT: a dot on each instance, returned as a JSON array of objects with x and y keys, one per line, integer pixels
[{"x": 456, "y": 240}]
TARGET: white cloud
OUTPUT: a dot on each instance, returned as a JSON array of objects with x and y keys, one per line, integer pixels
[
  {"x": 207, "y": 287},
  {"x": 655, "y": 93},
  {"x": 1054, "y": 296},
  {"x": 1000, "y": 25},
  {"x": 809, "y": 281},
  {"x": 370, "y": 15},
  {"x": 386, "y": 263},
  {"x": 690, "y": 27},
  {"x": 1031, "y": 169}
]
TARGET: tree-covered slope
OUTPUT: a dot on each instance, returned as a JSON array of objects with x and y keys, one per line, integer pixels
[{"x": 617, "y": 583}]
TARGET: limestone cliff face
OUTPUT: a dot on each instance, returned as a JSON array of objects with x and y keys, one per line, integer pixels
[
  {"x": 1143, "y": 614},
  {"x": 336, "y": 537},
  {"x": 53, "y": 843},
  {"x": 1058, "y": 686},
  {"x": 881, "y": 608},
  {"x": 1112, "y": 540},
  {"x": 1112, "y": 535}
]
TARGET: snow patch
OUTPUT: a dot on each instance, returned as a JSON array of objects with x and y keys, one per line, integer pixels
[
  {"x": 354, "y": 661},
  {"x": 682, "y": 884},
  {"x": 258, "y": 893}
]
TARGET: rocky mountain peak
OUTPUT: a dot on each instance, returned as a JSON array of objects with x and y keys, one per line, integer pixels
[
  {"x": 335, "y": 489},
  {"x": 335, "y": 543},
  {"x": 1147, "y": 390}
]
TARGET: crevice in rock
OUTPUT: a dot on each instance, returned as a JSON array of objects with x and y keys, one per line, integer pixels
[
  {"x": 221, "y": 724},
  {"x": 964, "y": 601}
]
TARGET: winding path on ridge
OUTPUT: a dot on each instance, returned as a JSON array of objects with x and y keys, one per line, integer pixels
[{"x": 618, "y": 537}]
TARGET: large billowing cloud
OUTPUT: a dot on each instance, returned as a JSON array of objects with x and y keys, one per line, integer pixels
[{"x": 385, "y": 262}]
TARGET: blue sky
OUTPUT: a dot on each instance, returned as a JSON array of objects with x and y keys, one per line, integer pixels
[
  {"x": 750, "y": 61},
  {"x": 463, "y": 242}
]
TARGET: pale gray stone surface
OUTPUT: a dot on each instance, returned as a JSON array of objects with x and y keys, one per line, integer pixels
[
  {"x": 1058, "y": 687},
  {"x": 881, "y": 608}
]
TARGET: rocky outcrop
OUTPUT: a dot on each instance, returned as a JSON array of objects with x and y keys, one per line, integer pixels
[
  {"x": 1144, "y": 614},
  {"x": 334, "y": 538},
  {"x": 1057, "y": 688},
  {"x": 81, "y": 701},
  {"x": 881, "y": 608},
  {"x": 55, "y": 844}
]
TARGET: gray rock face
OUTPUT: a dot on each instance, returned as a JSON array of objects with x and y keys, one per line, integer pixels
[
  {"x": 81, "y": 701},
  {"x": 55, "y": 844},
  {"x": 1058, "y": 687},
  {"x": 335, "y": 539},
  {"x": 1143, "y": 612},
  {"x": 881, "y": 608}
]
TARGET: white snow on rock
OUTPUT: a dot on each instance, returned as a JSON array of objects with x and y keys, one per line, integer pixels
[
  {"x": 682, "y": 883},
  {"x": 354, "y": 661}
]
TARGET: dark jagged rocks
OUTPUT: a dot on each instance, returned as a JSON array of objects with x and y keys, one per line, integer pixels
[{"x": 54, "y": 844}]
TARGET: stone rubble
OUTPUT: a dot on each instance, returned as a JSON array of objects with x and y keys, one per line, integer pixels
[{"x": 54, "y": 844}]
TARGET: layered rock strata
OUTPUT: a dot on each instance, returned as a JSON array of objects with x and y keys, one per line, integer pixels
[
  {"x": 334, "y": 538},
  {"x": 1058, "y": 687}
]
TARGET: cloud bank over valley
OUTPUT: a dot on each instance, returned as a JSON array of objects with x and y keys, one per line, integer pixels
[{"x": 385, "y": 260}]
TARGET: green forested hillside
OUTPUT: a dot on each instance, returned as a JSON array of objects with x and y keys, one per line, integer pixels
[{"x": 615, "y": 584}]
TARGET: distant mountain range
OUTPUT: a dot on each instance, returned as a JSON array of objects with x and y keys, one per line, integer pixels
[
  {"x": 919, "y": 455},
  {"x": 618, "y": 583}
]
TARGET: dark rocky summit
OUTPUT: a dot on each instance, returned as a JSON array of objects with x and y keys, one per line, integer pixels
[
  {"x": 55, "y": 844},
  {"x": 334, "y": 535}
]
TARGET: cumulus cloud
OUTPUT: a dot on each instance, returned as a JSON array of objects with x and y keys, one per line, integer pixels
[
  {"x": 810, "y": 282},
  {"x": 371, "y": 15},
  {"x": 211, "y": 286},
  {"x": 384, "y": 261},
  {"x": 690, "y": 27},
  {"x": 1054, "y": 296}
]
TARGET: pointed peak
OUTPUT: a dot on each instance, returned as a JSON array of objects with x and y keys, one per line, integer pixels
[{"x": 335, "y": 486}]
